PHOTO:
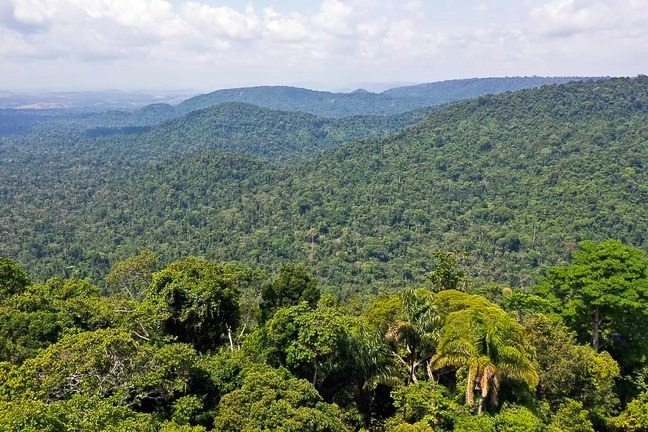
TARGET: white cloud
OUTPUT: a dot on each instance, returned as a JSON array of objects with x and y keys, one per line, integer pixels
[
  {"x": 285, "y": 28},
  {"x": 564, "y": 18},
  {"x": 222, "y": 21},
  {"x": 334, "y": 16},
  {"x": 34, "y": 12},
  {"x": 337, "y": 40}
]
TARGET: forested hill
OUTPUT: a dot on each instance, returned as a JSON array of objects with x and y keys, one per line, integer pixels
[
  {"x": 515, "y": 179},
  {"x": 394, "y": 101},
  {"x": 326, "y": 104},
  {"x": 274, "y": 135},
  {"x": 441, "y": 92},
  {"x": 232, "y": 127}
]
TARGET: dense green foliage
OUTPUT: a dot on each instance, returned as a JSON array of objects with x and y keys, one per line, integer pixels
[
  {"x": 516, "y": 179},
  {"x": 149, "y": 134},
  {"x": 275, "y": 135},
  {"x": 197, "y": 352},
  {"x": 367, "y": 292},
  {"x": 603, "y": 294}
]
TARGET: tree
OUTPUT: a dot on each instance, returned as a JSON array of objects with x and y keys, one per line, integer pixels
[
  {"x": 634, "y": 418},
  {"x": 424, "y": 403},
  {"x": 471, "y": 423},
  {"x": 133, "y": 275},
  {"x": 201, "y": 302},
  {"x": 603, "y": 293},
  {"x": 81, "y": 414},
  {"x": 312, "y": 344},
  {"x": 489, "y": 345},
  {"x": 219, "y": 373},
  {"x": 512, "y": 418},
  {"x": 12, "y": 278},
  {"x": 570, "y": 371},
  {"x": 448, "y": 274},
  {"x": 78, "y": 414},
  {"x": 571, "y": 417},
  {"x": 290, "y": 287},
  {"x": 271, "y": 400},
  {"x": 43, "y": 313},
  {"x": 414, "y": 331},
  {"x": 106, "y": 363}
]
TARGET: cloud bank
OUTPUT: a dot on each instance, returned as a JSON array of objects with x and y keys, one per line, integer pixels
[{"x": 207, "y": 44}]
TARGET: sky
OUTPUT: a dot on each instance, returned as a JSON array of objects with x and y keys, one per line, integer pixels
[{"x": 325, "y": 44}]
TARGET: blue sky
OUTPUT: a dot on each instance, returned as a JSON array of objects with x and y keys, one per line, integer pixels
[{"x": 329, "y": 44}]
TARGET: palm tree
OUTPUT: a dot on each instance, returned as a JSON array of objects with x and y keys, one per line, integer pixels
[
  {"x": 489, "y": 344},
  {"x": 414, "y": 333}
]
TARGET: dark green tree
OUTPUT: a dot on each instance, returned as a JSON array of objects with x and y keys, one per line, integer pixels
[
  {"x": 570, "y": 371},
  {"x": 201, "y": 302},
  {"x": 312, "y": 344},
  {"x": 12, "y": 278},
  {"x": 290, "y": 287}
]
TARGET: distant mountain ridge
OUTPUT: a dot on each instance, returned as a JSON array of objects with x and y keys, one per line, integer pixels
[
  {"x": 453, "y": 90},
  {"x": 284, "y": 98},
  {"x": 362, "y": 102},
  {"x": 87, "y": 101}
]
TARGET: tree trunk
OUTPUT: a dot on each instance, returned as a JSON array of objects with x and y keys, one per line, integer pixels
[
  {"x": 480, "y": 407},
  {"x": 596, "y": 322},
  {"x": 412, "y": 372},
  {"x": 229, "y": 336}
]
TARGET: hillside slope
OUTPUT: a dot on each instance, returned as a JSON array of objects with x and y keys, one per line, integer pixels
[
  {"x": 275, "y": 135},
  {"x": 516, "y": 179},
  {"x": 442, "y": 92}
]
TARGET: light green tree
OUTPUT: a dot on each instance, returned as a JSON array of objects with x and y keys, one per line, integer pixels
[
  {"x": 488, "y": 344},
  {"x": 634, "y": 418},
  {"x": 107, "y": 363},
  {"x": 571, "y": 417},
  {"x": 603, "y": 292},
  {"x": 271, "y": 400},
  {"x": 133, "y": 275}
]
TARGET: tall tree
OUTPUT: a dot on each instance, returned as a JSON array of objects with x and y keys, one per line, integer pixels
[
  {"x": 290, "y": 287},
  {"x": 448, "y": 273},
  {"x": 489, "y": 345},
  {"x": 133, "y": 275},
  {"x": 201, "y": 301},
  {"x": 272, "y": 400},
  {"x": 312, "y": 344},
  {"x": 414, "y": 331},
  {"x": 605, "y": 284},
  {"x": 570, "y": 371}
]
